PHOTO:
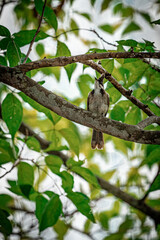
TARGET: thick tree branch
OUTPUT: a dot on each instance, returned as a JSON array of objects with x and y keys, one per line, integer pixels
[
  {"x": 63, "y": 61},
  {"x": 138, "y": 204},
  {"x": 119, "y": 87},
  {"x": 67, "y": 110}
]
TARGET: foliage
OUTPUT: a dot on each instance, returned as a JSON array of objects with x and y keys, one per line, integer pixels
[{"x": 56, "y": 205}]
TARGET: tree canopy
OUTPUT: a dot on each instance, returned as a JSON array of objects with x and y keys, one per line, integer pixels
[{"x": 53, "y": 183}]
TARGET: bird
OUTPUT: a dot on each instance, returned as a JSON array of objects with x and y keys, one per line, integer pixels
[{"x": 98, "y": 102}]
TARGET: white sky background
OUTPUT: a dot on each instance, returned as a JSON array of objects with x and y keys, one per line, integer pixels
[{"x": 70, "y": 90}]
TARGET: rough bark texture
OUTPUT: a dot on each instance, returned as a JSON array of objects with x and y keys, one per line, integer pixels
[{"x": 67, "y": 110}]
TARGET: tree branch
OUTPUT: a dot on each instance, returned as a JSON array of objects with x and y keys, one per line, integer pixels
[
  {"x": 67, "y": 110},
  {"x": 63, "y": 61},
  {"x": 38, "y": 30},
  {"x": 148, "y": 121},
  {"x": 153, "y": 66}
]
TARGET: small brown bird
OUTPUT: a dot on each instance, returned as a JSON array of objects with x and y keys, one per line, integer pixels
[{"x": 98, "y": 102}]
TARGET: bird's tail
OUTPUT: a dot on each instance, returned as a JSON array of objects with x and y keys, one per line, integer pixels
[{"x": 97, "y": 140}]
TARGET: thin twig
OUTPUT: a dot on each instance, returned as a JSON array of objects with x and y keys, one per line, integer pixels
[
  {"x": 153, "y": 66},
  {"x": 13, "y": 166},
  {"x": 38, "y": 30},
  {"x": 5, "y": 3},
  {"x": 88, "y": 30},
  {"x": 147, "y": 193},
  {"x": 22, "y": 210},
  {"x": 16, "y": 162}
]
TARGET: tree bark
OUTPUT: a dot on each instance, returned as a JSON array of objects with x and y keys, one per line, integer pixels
[
  {"x": 63, "y": 61},
  {"x": 67, "y": 110}
]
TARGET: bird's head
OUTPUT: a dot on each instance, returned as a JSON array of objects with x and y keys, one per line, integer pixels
[{"x": 99, "y": 82}]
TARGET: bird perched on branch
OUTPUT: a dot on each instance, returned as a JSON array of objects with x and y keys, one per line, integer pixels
[{"x": 98, "y": 102}]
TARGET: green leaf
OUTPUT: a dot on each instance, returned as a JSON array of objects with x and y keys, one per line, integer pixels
[
  {"x": 4, "y": 43},
  {"x": 156, "y": 22},
  {"x": 25, "y": 177},
  {"x": 118, "y": 113},
  {"x": 53, "y": 147},
  {"x": 61, "y": 229},
  {"x": 107, "y": 28},
  {"x": 25, "y": 37},
  {"x": 54, "y": 163},
  {"x": 131, "y": 27},
  {"x": 87, "y": 175},
  {"x": 6, "y": 153},
  {"x": 108, "y": 175},
  {"x": 5, "y": 201},
  {"x": 3, "y": 61},
  {"x": 114, "y": 95},
  {"x": 96, "y": 50},
  {"x": 81, "y": 201},
  {"x": 74, "y": 26},
  {"x": 37, "y": 106},
  {"x": 108, "y": 65},
  {"x": 33, "y": 144},
  {"x": 103, "y": 218},
  {"x": 71, "y": 163},
  {"x": 146, "y": 16},
  {"x": 5, "y": 224},
  {"x": 70, "y": 69},
  {"x": 114, "y": 236},
  {"x": 51, "y": 212},
  {"x": 62, "y": 50},
  {"x": 125, "y": 226},
  {"x": 4, "y": 31},
  {"x": 40, "y": 205},
  {"x": 134, "y": 111},
  {"x": 12, "y": 113},
  {"x": 105, "y": 5},
  {"x": 15, "y": 188},
  {"x": 93, "y": 2},
  {"x": 40, "y": 49},
  {"x": 72, "y": 139},
  {"x": 152, "y": 158},
  {"x": 155, "y": 185},
  {"x": 128, "y": 42},
  {"x": 13, "y": 53},
  {"x": 49, "y": 14},
  {"x": 87, "y": 226},
  {"x": 67, "y": 181},
  {"x": 86, "y": 15},
  {"x": 84, "y": 82}
]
